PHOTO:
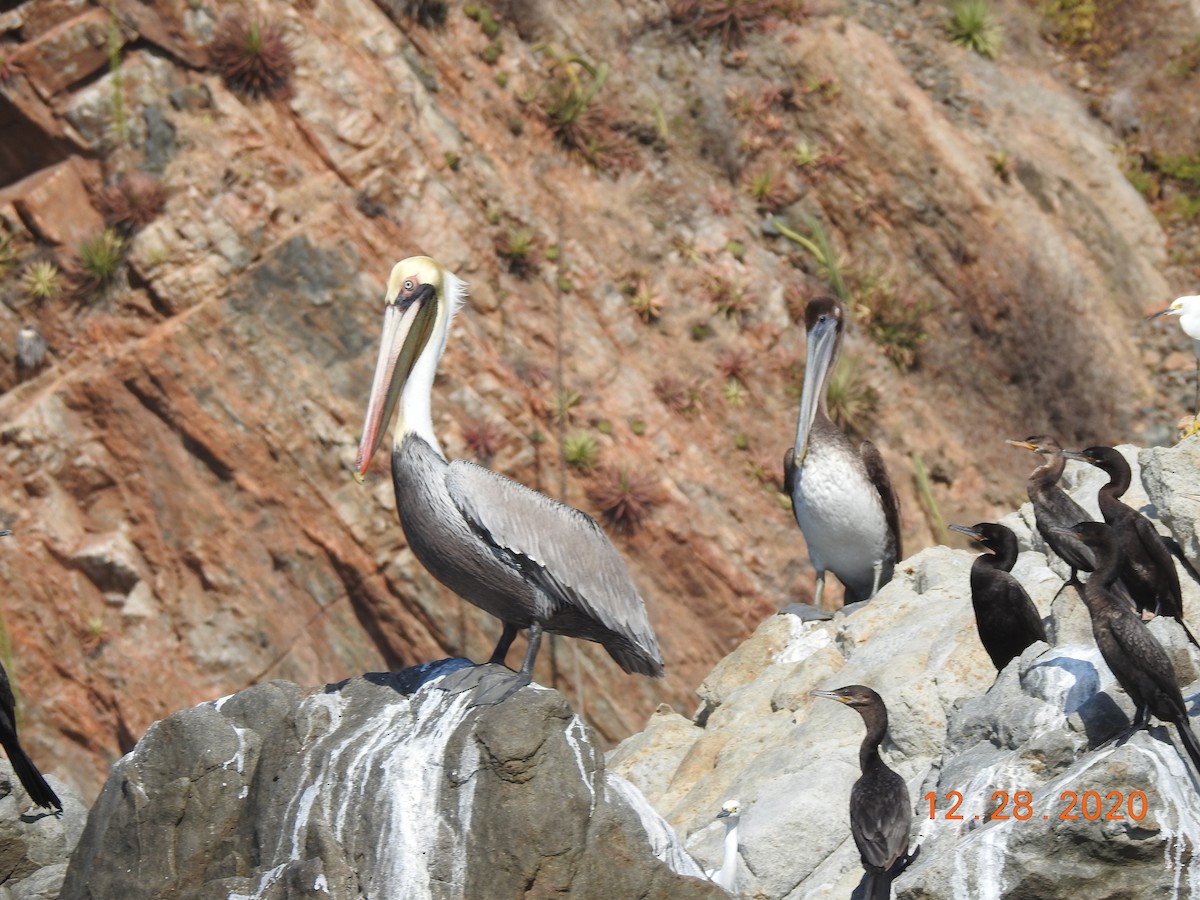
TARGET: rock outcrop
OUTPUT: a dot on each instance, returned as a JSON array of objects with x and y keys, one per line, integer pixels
[
  {"x": 443, "y": 781},
  {"x": 1049, "y": 803}
]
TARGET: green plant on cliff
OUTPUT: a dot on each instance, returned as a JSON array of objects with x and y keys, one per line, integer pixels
[
  {"x": 850, "y": 400},
  {"x": 972, "y": 24},
  {"x": 1071, "y": 22},
  {"x": 581, "y": 451},
  {"x": 41, "y": 280},
  {"x": 253, "y": 56},
  {"x": 895, "y": 321},
  {"x": 8, "y": 253},
  {"x": 100, "y": 258},
  {"x": 821, "y": 250}
]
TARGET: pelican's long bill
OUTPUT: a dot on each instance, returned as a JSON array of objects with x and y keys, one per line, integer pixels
[
  {"x": 407, "y": 323},
  {"x": 822, "y": 344}
]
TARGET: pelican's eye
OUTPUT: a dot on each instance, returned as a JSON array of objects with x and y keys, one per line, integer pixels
[{"x": 408, "y": 285}]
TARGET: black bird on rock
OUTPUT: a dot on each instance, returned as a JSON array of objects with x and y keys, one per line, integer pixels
[
  {"x": 1147, "y": 570},
  {"x": 1005, "y": 617},
  {"x": 1053, "y": 508},
  {"x": 1136, "y": 658},
  {"x": 27, "y": 773},
  {"x": 880, "y": 808}
]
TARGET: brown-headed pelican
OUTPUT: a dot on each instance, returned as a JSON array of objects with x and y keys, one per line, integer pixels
[
  {"x": 1188, "y": 310},
  {"x": 841, "y": 494},
  {"x": 528, "y": 560},
  {"x": 880, "y": 809}
]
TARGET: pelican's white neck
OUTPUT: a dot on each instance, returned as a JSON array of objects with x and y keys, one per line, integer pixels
[
  {"x": 416, "y": 399},
  {"x": 728, "y": 874}
]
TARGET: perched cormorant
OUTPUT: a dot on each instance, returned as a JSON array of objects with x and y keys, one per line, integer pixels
[
  {"x": 1053, "y": 509},
  {"x": 1136, "y": 658},
  {"x": 841, "y": 494},
  {"x": 880, "y": 808},
  {"x": 27, "y": 773},
  {"x": 1147, "y": 571},
  {"x": 1188, "y": 310},
  {"x": 1005, "y": 617},
  {"x": 726, "y": 876},
  {"x": 530, "y": 561}
]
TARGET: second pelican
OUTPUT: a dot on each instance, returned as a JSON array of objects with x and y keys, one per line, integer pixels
[
  {"x": 530, "y": 561},
  {"x": 841, "y": 494}
]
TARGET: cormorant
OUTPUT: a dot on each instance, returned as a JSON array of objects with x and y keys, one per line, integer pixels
[
  {"x": 880, "y": 808},
  {"x": 1147, "y": 570},
  {"x": 1005, "y": 617},
  {"x": 841, "y": 495},
  {"x": 530, "y": 561},
  {"x": 27, "y": 773},
  {"x": 1053, "y": 509},
  {"x": 1136, "y": 658}
]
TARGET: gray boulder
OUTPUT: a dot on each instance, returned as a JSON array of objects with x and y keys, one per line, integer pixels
[
  {"x": 443, "y": 781},
  {"x": 1115, "y": 819}
]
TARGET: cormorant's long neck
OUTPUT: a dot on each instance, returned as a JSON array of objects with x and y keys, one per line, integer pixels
[
  {"x": 1108, "y": 563},
  {"x": 1004, "y": 552},
  {"x": 875, "y": 718},
  {"x": 1047, "y": 474},
  {"x": 1119, "y": 478}
]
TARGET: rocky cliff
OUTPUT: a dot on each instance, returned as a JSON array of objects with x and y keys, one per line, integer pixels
[{"x": 176, "y": 462}]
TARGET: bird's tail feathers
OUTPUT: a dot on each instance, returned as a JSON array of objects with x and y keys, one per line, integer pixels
[
  {"x": 1190, "y": 743},
  {"x": 31, "y": 779}
]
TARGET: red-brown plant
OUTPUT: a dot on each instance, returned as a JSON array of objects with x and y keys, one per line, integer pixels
[
  {"x": 624, "y": 497},
  {"x": 132, "y": 201},
  {"x": 253, "y": 56}
]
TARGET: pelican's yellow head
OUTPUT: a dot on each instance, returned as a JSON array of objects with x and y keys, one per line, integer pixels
[{"x": 421, "y": 296}]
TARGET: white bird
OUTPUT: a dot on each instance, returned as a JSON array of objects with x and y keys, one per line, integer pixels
[
  {"x": 727, "y": 874},
  {"x": 530, "y": 561},
  {"x": 1188, "y": 310}
]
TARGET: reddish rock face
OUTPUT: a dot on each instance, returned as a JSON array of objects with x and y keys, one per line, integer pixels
[{"x": 178, "y": 478}]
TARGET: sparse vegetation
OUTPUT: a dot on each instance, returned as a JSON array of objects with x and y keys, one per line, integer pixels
[
  {"x": 100, "y": 258},
  {"x": 624, "y": 497},
  {"x": 564, "y": 402},
  {"x": 253, "y": 56},
  {"x": 567, "y": 103},
  {"x": 1003, "y": 165},
  {"x": 734, "y": 393},
  {"x": 8, "y": 253},
  {"x": 731, "y": 300},
  {"x": 646, "y": 303},
  {"x": 971, "y": 24},
  {"x": 734, "y": 364},
  {"x": 850, "y": 400},
  {"x": 581, "y": 451},
  {"x": 483, "y": 439},
  {"x": 132, "y": 201},
  {"x": 731, "y": 20},
  {"x": 1071, "y": 22},
  {"x": 677, "y": 395},
  {"x": 895, "y": 322},
  {"x": 41, "y": 280},
  {"x": 519, "y": 249},
  {"x": 829, "y": 264}
]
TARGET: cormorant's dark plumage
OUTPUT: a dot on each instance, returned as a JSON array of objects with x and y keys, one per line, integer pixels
[
  {"x": 880, "y": 808},
  {"x": 1136, "y": 658},
  {"x": 1053, "y": 508},
  {"x": 1005, "y": 617},
  {"x": 1148, "y": 571}
]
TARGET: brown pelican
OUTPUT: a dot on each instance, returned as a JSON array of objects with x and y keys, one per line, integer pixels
[
  {"x": 841, "y": 495},
  {"x": 880, "y": 809},
  {"x": 528, "y": 560}
]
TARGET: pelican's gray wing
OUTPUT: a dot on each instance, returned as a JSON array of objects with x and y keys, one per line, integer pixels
[
  {"x": 563, "y": 549},
  {"x": 877, "y": 473}
]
